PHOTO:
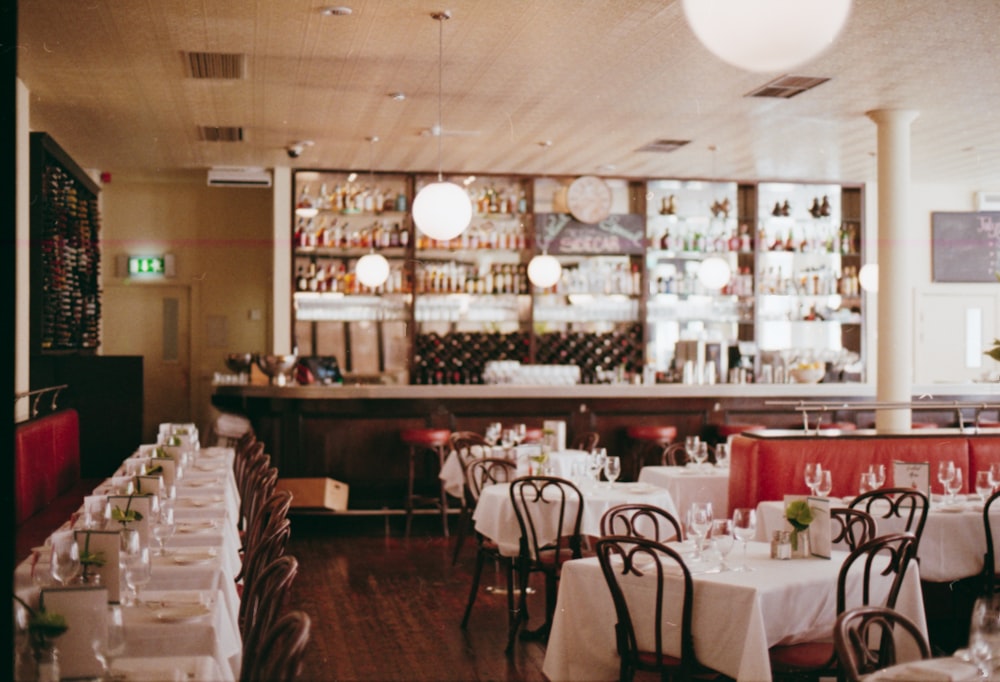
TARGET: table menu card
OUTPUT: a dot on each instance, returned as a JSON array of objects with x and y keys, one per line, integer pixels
[
  {"x": 106, "y": 546},
  {"x": 820, "y": 529},
  {"x": 86, "y": 612},
  {"x": 912, "y": 475},
  {"x": 141, "y": 504}
]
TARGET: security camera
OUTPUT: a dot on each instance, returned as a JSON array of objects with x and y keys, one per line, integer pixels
[{"x": 295, "y": 149}]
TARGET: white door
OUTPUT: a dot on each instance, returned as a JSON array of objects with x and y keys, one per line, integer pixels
[
  {"x": 953, "y": 332},
  {"x": 153, "y": 321}
]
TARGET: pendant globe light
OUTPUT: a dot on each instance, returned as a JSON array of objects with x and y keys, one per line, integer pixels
[
  {"x": 766, "y": 35},
  {"x": 372, "y": 269},
  {"x": 544, "y": 270},
  {"x": 441, "y": 210}
]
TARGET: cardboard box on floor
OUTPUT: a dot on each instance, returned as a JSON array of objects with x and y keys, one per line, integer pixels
[{"x": 316, "y": 493}]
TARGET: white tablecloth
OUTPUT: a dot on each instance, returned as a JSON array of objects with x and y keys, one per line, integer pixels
[
  {"x": 952, "y": 546},
  {"x": 689, "y": 484},
  {"x": 562, "y": 464},
  {"x": 495, "y": 517},
  {"x": 737, "y": 616}
]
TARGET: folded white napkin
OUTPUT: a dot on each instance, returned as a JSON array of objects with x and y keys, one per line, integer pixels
[{"x": 930, "y": 670}]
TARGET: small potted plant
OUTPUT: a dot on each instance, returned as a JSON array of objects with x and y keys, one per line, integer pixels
[
  {"x": 127, "y": 515},
  {"x": 43, "y": 628},
  {"x": 799, "y": 515},
  {"x": 90, "y": 561}
]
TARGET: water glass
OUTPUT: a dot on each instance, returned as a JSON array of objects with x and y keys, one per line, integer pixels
[
  {"x": 954, "y": 485},
  {"x": 984, "y": 484},
  {"x": 612, "y": 468},
  {"x": 691, "y": 445},
  {"x": 946, "y": 472},
  {"x": 163, "y": 527},
  {"x": 598, "y": 457},
  {"x": 96, "y": 512},
  {"x": 722, "y": 455},
  {"x": 878, "y": 470},
  {"x": 812, "y": 474},
  {"x": 65, "y": 562},
  {"x": 138, "y": 571},
  {"x": 984, "y": 635},
  {"x": 700, "y": 522},
  {"x": 110, "y": 644},
  {"x": 722, "y": 536},
  {"x": 866, "y": 483},
  {"x": 744, "y": 528},
  {"x": 825, "y": 484}
]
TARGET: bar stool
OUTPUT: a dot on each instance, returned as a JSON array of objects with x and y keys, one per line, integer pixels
[
  {"x": 422, "y": 442},
  {"x": 646, "y": 438}
]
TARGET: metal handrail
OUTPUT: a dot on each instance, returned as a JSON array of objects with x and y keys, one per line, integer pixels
[
  {"x": 808, "y": 407},
  {"x": 38, "y": 393}
]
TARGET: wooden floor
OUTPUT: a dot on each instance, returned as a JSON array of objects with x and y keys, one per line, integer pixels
[{"x": 389, "y": 608}]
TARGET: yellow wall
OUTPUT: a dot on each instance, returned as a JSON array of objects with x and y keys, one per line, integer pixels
[{"x": 223, "y": 245}]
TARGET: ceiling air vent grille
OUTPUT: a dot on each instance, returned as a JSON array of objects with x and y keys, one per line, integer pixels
[
  {"x": 220, "y": 133},
  {"x": 215, "y": 65},
  {"x": 785, "y": 87},
  {"x": 663, "y": 146}
]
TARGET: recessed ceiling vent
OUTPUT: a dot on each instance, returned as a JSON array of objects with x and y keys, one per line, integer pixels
[
  {"x": 786, "y": 87},
  {"x": 663, "y": 146},
  {"x": 215, "y": 65},
  {"x": 220, "y": 133}
]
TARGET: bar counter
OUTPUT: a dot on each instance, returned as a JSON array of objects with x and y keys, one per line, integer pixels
[{"x": 351, "y": 432}]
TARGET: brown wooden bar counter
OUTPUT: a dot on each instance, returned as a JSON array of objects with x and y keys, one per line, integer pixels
[{"x": 351, "y": 433}]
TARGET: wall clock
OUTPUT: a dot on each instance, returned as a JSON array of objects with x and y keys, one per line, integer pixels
[{"x": 589, "y": 199}]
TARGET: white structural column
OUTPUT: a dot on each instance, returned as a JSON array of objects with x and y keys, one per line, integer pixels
[{"x": 895, "y": 307}]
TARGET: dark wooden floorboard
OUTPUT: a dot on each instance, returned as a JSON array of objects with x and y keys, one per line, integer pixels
[{"x": 388, "y": 608}]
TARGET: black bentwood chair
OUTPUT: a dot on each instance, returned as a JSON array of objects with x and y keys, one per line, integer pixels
[
  {"x": 636, "y": 520},
  {"x": 866, "y": 640},
  {"x": 907, "y": 504},
  {"x": 463, "y": 444},
  {"x": 851, "y": 527}
]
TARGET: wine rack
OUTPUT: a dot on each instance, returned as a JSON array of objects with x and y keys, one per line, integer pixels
[
  {"x": 66, "y": 259},
  {"x": 619, "y": 350},
  {"x": 459, "y": 358}
]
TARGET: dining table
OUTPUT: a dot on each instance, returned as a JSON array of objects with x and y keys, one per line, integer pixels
[
  {"x": 737, "y": 615},
  {"x": 952, "y": 545},
  {"x": 562, "y": 463},
  {"x": 692, "y": 483},
  {"x": 186, "y": 616},
  {"x": 495, "y": 517}
]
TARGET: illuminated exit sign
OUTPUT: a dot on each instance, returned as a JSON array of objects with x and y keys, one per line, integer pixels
[{"x": 146, "y": 266}]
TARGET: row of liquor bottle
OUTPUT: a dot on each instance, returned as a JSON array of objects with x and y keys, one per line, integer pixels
[
  {"x": 491, "y": 234},
  {"x": 817, "y": 281},
  {"x": 460, "y": 357},
  {"x": 452, "y": 277},
  {"x": 600, "y": 276},
  {"x": 354, "y": 197},
  {"x": 685, "y": 283},
  {"x": 346, "y": 234},
  {"x": 696, "y": 241},
  {"x": 842, "y": 240},
  {"x": 339, "y": 278}
]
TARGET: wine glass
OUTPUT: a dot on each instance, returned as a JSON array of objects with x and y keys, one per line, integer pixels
[
  {"x": 599, "y": 457},
  {"x": 112, "y": 644},
  {"x": 954, "y": 485},
  {"x": 722, "y": 535},
  {"x": 700, "y": 523},
  {"x": 866, "y": 482},
  {"x": 96, "y": 511},
  {"x": 520, "y": 433},
  {"x": 138, "y": 572},
  {"x": 825, "y": 483},
  {"x": 984, "y": 634},
  {"x": 163, "y": 527},
  {"x": 984, "y": 484},
  {"x": 995, "y": 473},
  {"x": 812, "y": 474},
  {"x": 691, "y": 444},
  {"x": 744, "y": 528},
  {"x": 722, "y": 455},
  {"x": 65, "y": 562},
  {"x": 946, "y": 471},
  {"x": 701, "y": 454},
  {"x": 612, "y": 468},
  {"x": 878, "y": 470}
]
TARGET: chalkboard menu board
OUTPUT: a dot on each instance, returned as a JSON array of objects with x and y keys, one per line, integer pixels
[
  {"x": 965, "y": 247},
  {"x": 558, "y": 233}
]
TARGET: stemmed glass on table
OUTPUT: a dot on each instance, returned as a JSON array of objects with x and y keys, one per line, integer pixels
[
  {"x": 598, "y": 457},
  {"x": 112, "y": 644},
  {"x": 812, "y": 475},
  {"x": 691, "y": 446},
  {"x": 612, "y": 468},
  {"x": 138, "y": 571},
  {"x": 866, "y": 482},
  {"x": 946, "y": 472},
  {"x": 744, "y": 528},
  {"x": 700, "y": 522},
  {"x": 984, "y": 484},
  {"x": 984, "y": 635},
  {"x": 954, "y": 485},
  {"x": 163, "y": 527},
  {"x": 878, "y": 471},
  {"x": 65, "y": 562},
  {"x": 722, "y": 536},
  {"x": 825, "y": 483}
]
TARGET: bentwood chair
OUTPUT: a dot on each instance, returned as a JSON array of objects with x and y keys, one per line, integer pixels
[
  {"x": 478, "y": 474},
  {"x": 624, "y": 559},
  {"x": 467, "y": 446},
  {"x": 265, "y": 600},
  {"x": 541, "y": 503},
  {"x": 866, "y": 640},
  {"x": 282, "y": 649},
  {"x": 907, "y": 504},
  {"x": 636, "y": 520},
  {"x": 673, "y": 455},
  {"x": 884, "y": 558},
  {"x": 852, "y": 527}
]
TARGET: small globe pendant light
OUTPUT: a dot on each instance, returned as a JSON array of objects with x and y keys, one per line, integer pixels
[
  {"x": 544, "y": 271},
  {"x": 441, "y": 210},
  {"x": 372, "y": 269}
]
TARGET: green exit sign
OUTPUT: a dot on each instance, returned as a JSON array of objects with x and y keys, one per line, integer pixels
[{"x": 146, "y": 266}]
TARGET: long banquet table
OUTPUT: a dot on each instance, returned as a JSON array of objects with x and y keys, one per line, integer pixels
[
  {"x": 200, "y": 568},
  {"x": 737, "y": 616}
]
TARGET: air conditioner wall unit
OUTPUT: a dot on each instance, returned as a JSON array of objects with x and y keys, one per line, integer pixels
[
  {"x": 988, "y": 201},
  {"x": 239, "y": 177}
]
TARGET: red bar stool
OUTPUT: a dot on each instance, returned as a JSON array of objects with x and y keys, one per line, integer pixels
[
  {"x": 645, "y": 438},
  {"x": 422, "y": 442}
]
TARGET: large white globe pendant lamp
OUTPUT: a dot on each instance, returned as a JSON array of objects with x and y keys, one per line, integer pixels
[
  {"x": 441, "y": 210},
  {"x": 544, "y": 271},
  {"x": 714, "y": 273},
  {"x": 372, "y": 270},
  {"x": 868, "y": 277},
  {"x": 766, "y": 35}
]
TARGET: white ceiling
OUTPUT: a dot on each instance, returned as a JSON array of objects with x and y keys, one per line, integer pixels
[{"x": 599, "y": 78}]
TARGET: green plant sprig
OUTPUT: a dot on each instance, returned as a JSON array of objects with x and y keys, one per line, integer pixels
[
  {"x": 43, "y": 625},
  {"x": 799, "y": 514}
]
